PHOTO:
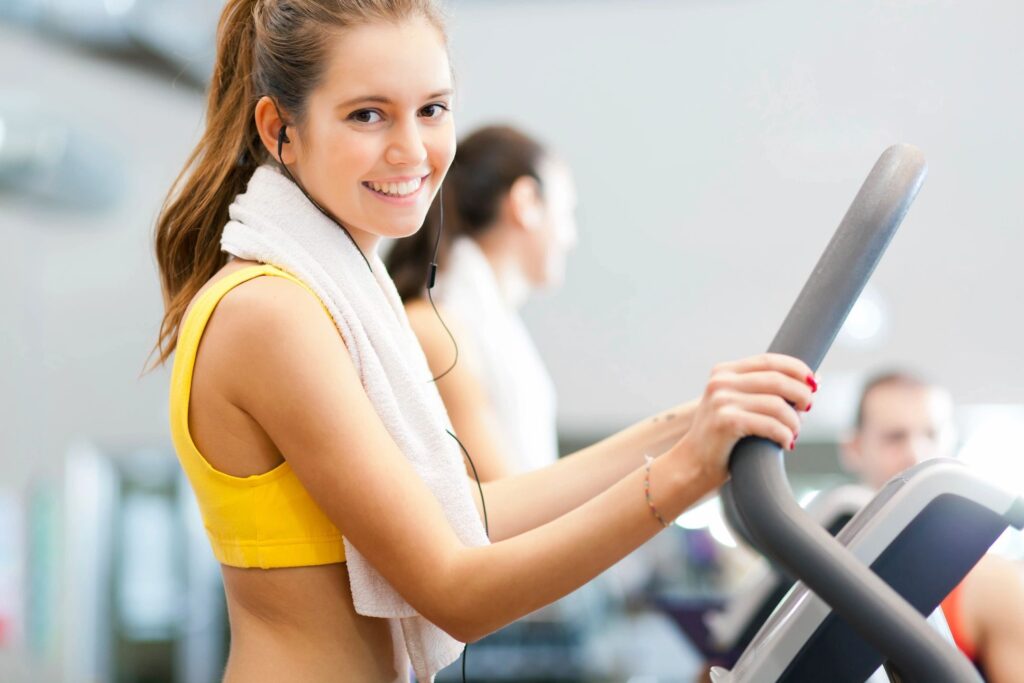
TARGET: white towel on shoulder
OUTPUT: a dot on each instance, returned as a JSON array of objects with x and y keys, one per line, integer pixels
[{"x": 273, "y": 222}]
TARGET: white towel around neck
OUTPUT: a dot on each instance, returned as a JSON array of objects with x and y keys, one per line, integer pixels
[{"x": 273, "y": 222}]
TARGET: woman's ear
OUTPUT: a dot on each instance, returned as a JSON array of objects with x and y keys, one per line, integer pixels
[
  {"x": 526, "y": 208},
  {"x": 269, "y": 124}
]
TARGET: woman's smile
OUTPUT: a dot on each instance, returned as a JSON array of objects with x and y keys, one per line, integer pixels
[{"x": 403, "y": 191}]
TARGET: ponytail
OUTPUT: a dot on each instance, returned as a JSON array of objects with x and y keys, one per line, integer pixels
[{"x": 189, "y": 226}]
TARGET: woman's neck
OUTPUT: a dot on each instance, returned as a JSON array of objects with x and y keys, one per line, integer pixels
[
  {"x": 366, "y": 241},
  {"x": 503, "y": 258}
]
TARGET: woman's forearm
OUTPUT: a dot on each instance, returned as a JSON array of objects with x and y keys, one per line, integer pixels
[
  {"x": 519, "y": 503},
  {"x": 473, "y": 591},
  {"x": 494, "y": 585}
]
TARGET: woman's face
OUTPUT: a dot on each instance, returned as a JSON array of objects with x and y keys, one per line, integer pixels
[
  {"x": 378, "y": 136},
  {"x": 549, "y": 244}
]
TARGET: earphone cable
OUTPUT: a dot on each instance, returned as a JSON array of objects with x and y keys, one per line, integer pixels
[{"x": 432, "y": 278}]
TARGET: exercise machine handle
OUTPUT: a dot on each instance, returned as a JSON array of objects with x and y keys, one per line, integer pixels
[{"x": 759, "y": 490}]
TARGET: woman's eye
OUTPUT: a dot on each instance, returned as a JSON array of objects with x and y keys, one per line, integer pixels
[
  {"x": 434, "y": 111},
  {"x": 365, "y": 116}
]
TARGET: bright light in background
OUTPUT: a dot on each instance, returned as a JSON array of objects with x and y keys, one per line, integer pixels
[
  {"x": 700, "y": 516},
  {"x": 806, "y": 499},
  {"x": 720, "y": 531},
  {"x": 994, "y": 447},
  {"x": 867, "y": 320},
  {"x": 708, "y": 515}
]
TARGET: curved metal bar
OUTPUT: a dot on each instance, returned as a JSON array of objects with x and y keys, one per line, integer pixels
[
  {"x": 734, "y": 520},
  {"x": 759, "y": 486}
]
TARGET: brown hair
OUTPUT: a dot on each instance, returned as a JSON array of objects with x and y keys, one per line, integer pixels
[
  {"x": 890, "y": 378},
  {"x": 486, "y": 165},
  {"x": 277, "y": 48}
]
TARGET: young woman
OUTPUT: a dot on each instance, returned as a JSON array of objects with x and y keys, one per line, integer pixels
[
  {"x": 345, "y": 106},
  {"x": 508, "y": 226}
]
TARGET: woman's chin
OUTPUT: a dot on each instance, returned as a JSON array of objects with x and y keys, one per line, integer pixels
[{"x": 399, "y": 229}]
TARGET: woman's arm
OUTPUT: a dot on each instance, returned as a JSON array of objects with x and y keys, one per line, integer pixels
[
  {"x": 469, "y": 408},
  {"x": 534, "y": 498},
  {"x": 530, "y": 499},
  {"x": 300, "y": 385}
]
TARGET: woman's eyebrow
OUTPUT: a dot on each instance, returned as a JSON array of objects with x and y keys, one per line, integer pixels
[{"x": 381, "y": 99}]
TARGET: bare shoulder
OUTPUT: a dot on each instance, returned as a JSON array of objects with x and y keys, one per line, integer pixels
[
  {"x": 266, "y": 328},
  {"x": 994, "y": 568},
  {"x": 270, "y": 295},
  {"x": 995, "y": 589},
  {"x": 267, "y": 307}
]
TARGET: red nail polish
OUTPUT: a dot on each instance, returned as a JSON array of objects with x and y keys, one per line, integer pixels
[
  {"x": 808, "y": 407},
  {"x": 792, "y": 444},
  {"x": 812, "y": 383}
]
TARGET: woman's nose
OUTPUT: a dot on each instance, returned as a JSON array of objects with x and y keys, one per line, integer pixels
[{"x": 406, "y": 148}]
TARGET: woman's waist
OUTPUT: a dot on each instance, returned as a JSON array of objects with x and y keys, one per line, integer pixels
[
  {"x": 283, "y": 616},
  {"x": 300, "y": 598},
  {"x": 261, "y": 653}
]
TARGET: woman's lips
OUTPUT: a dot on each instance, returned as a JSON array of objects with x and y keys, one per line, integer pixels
[{"x": 401, "y": 192}]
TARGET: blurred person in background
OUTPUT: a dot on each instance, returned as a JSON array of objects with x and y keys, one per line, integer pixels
[
  {"x": 903, "y": 420},
  {"x": 508, "y": 227}
]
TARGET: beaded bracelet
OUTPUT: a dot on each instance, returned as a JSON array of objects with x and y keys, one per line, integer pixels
[{"x": 647, "y": 491}]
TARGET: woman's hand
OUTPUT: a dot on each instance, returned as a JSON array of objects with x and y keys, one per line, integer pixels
[{"x": 762, "y": 396}]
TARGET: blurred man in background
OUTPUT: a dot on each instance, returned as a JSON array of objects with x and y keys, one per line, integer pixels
[{"x": 901, "y": 421}]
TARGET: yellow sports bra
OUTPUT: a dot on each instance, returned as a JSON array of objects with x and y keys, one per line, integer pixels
[{"x": 265, "y": 520}]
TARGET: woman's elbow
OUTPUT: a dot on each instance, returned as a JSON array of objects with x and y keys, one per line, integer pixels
[
  {"x": 461, "y": 629},
  {"x": 457, "y": 608},
  {"x": 459, "y": 616},
  {"x": 469, "y": 628}
]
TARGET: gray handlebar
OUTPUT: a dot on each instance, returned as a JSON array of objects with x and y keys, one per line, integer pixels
[{"x": 759, "y": 489}]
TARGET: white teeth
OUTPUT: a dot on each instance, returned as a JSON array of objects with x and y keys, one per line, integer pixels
[{"x": 397, "y": 189}]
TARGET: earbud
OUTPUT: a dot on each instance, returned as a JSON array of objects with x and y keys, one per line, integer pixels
[{"x": 282, "y": 137}]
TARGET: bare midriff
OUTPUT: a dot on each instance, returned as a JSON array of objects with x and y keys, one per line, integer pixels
[{"x": 299, "y": 624}]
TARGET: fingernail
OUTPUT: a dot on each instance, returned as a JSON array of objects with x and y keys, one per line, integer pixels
[
  {"x": 812, "y": 383},
  {"x": 808, "y": 407},
  {"x": 792, "y": 444}
]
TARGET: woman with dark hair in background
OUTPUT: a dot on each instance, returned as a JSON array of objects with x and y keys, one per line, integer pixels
[{"x": 508, "y": 225}]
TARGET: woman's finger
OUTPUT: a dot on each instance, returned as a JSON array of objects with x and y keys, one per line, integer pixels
[{"x": 794, "y": 367}]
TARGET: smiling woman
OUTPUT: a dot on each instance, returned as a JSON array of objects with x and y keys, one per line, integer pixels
[
  {"x": 377, "y": 134},
  {"x": 351, "y": 541}
]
